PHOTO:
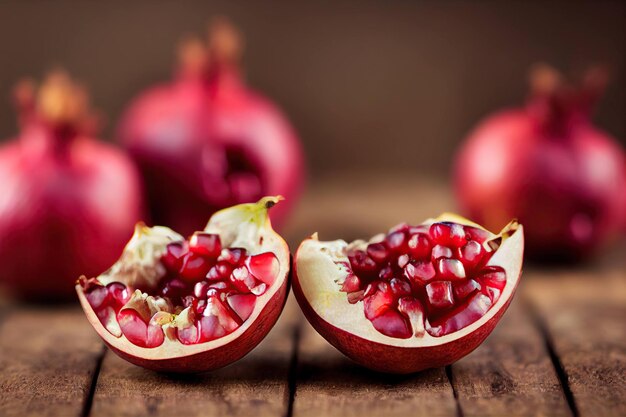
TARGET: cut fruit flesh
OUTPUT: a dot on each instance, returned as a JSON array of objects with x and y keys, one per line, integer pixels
[
  {"x": 206, "y": 295},
  {"x": 450, "y": 296}
]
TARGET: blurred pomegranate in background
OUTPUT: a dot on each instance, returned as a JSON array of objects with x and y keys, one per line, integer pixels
[
  {"x": 205, "y": 141},
  {"x": 549, "y": 166},
  {"x": 68, "y": 202}
]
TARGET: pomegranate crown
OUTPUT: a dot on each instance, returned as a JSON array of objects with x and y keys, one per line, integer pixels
[
  {"x": 58, "y": 102},
  {"x": 556, "y": 99},
  {"x": 222, "y": 49}
]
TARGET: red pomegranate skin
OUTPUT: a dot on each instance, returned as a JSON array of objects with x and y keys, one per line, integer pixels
[
  {"x": 68, "y": 206},
  {"x": 205, "y": 141},
  {"x": 550, "y": 167}
]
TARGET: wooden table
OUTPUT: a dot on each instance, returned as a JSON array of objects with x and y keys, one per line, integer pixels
[{"x": 560, "y": 350}]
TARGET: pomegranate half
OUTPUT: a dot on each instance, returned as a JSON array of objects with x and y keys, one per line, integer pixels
[
  {"x": 418, "y": 297},
  {"x": 190, "y": 305}
]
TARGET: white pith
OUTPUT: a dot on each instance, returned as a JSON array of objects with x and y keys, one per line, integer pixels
[
  {"x": 237, "y": 226},
  {"x": 321, "y": 270}
]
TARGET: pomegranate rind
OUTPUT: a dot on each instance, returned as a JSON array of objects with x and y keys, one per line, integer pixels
[
  {"x": 316, "y": 274},
  {"x": 244, "y": 225}
]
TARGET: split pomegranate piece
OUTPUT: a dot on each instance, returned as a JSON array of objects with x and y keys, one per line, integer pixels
[
  {"x": 185, "y": 305},
  {"x": 418, "y": 297}
]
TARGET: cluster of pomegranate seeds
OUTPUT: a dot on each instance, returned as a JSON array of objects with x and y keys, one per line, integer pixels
[
  {"x": 425, "y": 279},
  {"x": 219, "y": 285}
]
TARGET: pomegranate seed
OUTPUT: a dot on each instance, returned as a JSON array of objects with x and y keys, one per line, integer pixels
[
  {"x": 464, "y": 288},
  {"x": 264, "y": 266},
  {"x": 493, "y": 276},
  {"x": 379, "y": 302},
  {"x": 362, "y": 264},
  {"x": 492, "y": 293},
  {"x": 420, "y": 272},
  {"x": 188, "y": 335},
  {"x": 400, "y": 287},
  {"x": 242, "y": 304},
  {"x": 355, "y": 297},
  {"x": 403, "y": 260},
  {"x": 190, "y": 300},
  {"x": 371, "y": 288},
  {"x": 98, "y": 297},
  {"x": 173, "y": 257},
  {"x": 479, "y": 235},
  {"x": 200, "y": 289},
  {"x": 137, "y": 331},
  {"x": 217, "y": 320},
  {"x": 352, "y": 283},
  {"x": 378, "y": 252},
  {"x": 386, "y": 273},
  {"x": 447, "y": 233},
  {"x": 396, "y": 242},
  {"x": 440, "y": 294},
  {"x": 414, "y": 311},
  {"x": 219, "y": 285},
  {"x": 205, "y": 244},
  {"x": 392, "y": 324},
  {"x": 477, "y": 306},
  {"x": 119, "y": 293},
  {"x": 242, "y": 279},
  {"x": 419, "y": 246},
  {"x": 450, "y": 269},
  {"x": 234, "y": 256},
  {"x": 440, "y": 251},
  {"x": 472, "y": 253},
  {"x": 175, "y": 290},
  {"x": 195, "y": 267}
]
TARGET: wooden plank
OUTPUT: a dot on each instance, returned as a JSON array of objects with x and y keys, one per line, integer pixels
[
  {"x": 257, "y": 384},
  {"x": 510, "y": 374},
  {"x": 48, "y": 357},
  {"x": 584, "y": 317},
  {"x": 329, "y": 384}
]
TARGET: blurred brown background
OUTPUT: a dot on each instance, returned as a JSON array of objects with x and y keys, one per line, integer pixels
[{"x": 389, "y": 85}]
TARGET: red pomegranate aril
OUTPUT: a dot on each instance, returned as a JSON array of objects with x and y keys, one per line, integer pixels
[
  {"x": 362, "y": 264},
  {"x": 493, "y": 276},
  {"x": 242, "y": 304},
  {"x": 200, "y": 289},
  {"x": 378, "y": 252},
  {"x": 386, "y": 273},
  {"x": 355, "y": 297},
  {"x": 188, "y": 335},
  {"x": 242, "y": 279},
  {"x": 137, "y": 331},
  {"x": 471, "y": 254},
  {"x": 173, "y": 257},
  {"x": 206, "y": 244},
  {"x": 465, "y": 288},
  {"x": 403, "y": 260},
  {"x": 440, "y": 294},
  {"x": 175, "y": 289},
  {"x": 414, "y": 311},
  {"x": 118, "y": 292},
  {"x": 420, "y": 272},
  {"x": 396, "y": 242},
  {"x": 234, "y": 256},
  {"x": 446, "y": 233},
  {"x": 440, "y": 251},
  {"x": 451, "y": 269},
  {"x": 264, "y": 267},
  {"x": 352, "y": 283},
  {"x": 419, "y": 246},
  {"x": 379, "y": 302},
  {"x": 195, "y": 267},
  {"x": 98, "y": 297},
  {"x": 400, "y": 287},
  {"x": 470, "y": 311},
  {"x": 392, "y": 324},
  {"x": 474, "y": 233}
]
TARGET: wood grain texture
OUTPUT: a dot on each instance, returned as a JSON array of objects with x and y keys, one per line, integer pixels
[
  {"x": 329, "y": 384},
  {"x": 47, "y": 360},
  {"x": 511, "y": 373},
  {"x": 584, "y": 314},
  {"x": 257, "y": 384}
]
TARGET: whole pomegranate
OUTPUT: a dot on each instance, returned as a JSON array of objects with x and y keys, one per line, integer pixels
[
  {"x": 68, "y": 202},
  {"x": 549, "y": 166},
  {"x": 205, "y": 141}
]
